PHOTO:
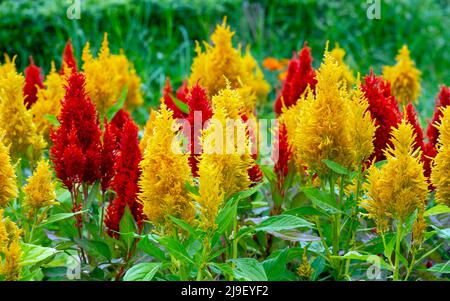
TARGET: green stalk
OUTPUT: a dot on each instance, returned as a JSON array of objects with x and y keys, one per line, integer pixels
[{"x": 397, "y": 251}]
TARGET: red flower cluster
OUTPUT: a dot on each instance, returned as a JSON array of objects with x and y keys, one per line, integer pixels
[
  {"x": 200, "y": 110},
  {"x": 68, "y": 58},
  {"x": 384, "y": 110},
  {"x": 117, "y": 123},
  {"x": 125, "y": 181},
  {"x": 170, "y": 103},
  {"x": 254, "y": 172},
  {"x": 300, "y": 74},
  {"x": 76, "y": 151},
  {"x": 443, "y": 100},
  {"x": 281, "y": 166},
  {"x": 109, "y": 152},
  {"x": 33, "y": 79}
]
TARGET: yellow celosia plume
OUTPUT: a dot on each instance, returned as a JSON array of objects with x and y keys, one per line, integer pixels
[
  {"x": 10, "y": 268},
  {"x": 148, "y": 131},
  {"x": 404, "y": 77},
  {"x": 8, "y": 185},
  {"x": 40, "y": 190},
  {"x": 347, "y": 75},
  {"x": 399, "y": 187},
  {"x": 8, "y": 67},
  {"x": 440, "y": 175},
  {"x": 165, "y": 172}
]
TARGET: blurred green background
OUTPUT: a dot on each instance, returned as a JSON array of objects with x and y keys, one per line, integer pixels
[{"x": 158, "y": 36}]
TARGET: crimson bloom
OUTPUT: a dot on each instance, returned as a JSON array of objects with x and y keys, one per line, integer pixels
[
  {"x": 281, "y": 166},
  {"x": 300, "y": 74},
  {"x": 170, "y": 103},
  {"x": 443, "y": 100},
  {"x": 68, "y": 58},
  {"x": 125, "y": 181},
  {"x": 33, "y": 80},
  {"x": 108, "y": 157}
]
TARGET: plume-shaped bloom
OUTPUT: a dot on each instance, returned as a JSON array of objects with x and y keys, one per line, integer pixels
[
  {"x": 399, "y": 187},
  {"x": 300, "y": 75},
  {"x": 33, "y": 82},
  {"x": 224, "y": 164},
  {"x": 69, "y": 62},
  {"x": 384, "y": 110},
  {"x": 169, "y": 101},
  {"x": 442, "y": 101},
  {"x": 40, "y": 190},
  {"x": 10, "y": 267},
  {"x": 76, "y": 151},
  {"x": 284, "y": 150},
  {"x": 48, "y": 101},
  {"x": 125, "y": 181},
  {"x": 220, "y": 62},
  {"x": 16, "y": 121},
  {"x": 404, "y": 77},
  {"x": 8, "y": 185},
  {"x": 117, "y": 124},
  {"x": 165, "y": 172},
  {"x": 347, "y": 74},
  {"x": 108, "y": 156},
  {"x": 441, "y": 167},
  {"x": 148, "y": 131},
  {"x": 8, "y": 67}
]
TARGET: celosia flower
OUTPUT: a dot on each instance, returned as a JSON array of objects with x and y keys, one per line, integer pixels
[
  {"x": 40, "y": 190},
  {"x": 253, "y": 78},
  {"x": 8, "y": 186},
  {"x": 221, "y": 62},
  {"x": 300, "y": 74},
  {"x": 33, "y": 82},
  {"x": 281, "y": 166},
  {"x": 76, "y": 143},
  {"x": 117, "y": 123},
  {"x": 399, "y": 188},
  {"x": 16, "y": 121},
  {"x": 224, "y": 164},
  {"x": 441, "y": 167},
  {"x": 10, "y": 268},
  {"x": 48, "y": 101},
  {"x": 384, "y": 110},
  {"x": 8, "y": 67},
  {"x": 165, "y": 172},
  {"x": 231, "y": 101},
  {"x": 183, "y": 91},
  {"x": 148, "y": 131},
  {"x": 442, "y": 101},
  {"x": 125, "y": 181},
  {"x": 404, "y": 77},
  {"x": 108, "y": 156},
  {"x": 254, "y": 172},
  {"x": 69, "y": 62},
  {"x": 170, "y": 103},
  {"x": 347, "y": 74}
]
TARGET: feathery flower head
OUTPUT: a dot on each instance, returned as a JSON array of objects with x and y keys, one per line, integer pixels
[
  {"x": 442, "y": 101},
  {"x": 162, "y": 191},
  {"x": 404, "y": 77},
  {"x": 108, "y": 156},
  {"x": 69, "y": 62},
  {"x": 399, "y": 187},
  {"x": 300, "y": 75},
  {"x": 40, "y": 190},
  {"x": 170, "y": 103},
  {"x": 384, "y": 110},
  {"x": 16, "y": 121},
  {"x": 148, "y": 131},
  {"x": 347, "y": 74},
  {"x": 229, "y": 100},
  {"x": 8, "y": 185},
  {"x": 281, "y": 167},
  {"x": 441, "y": 167},
  {"x": 10, "y": 268},
  {"x": 33, "y": 81},
  {"x": 8, "y": 67}
]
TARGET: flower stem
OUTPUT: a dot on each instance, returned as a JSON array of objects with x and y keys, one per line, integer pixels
[{"x": 397, "y": 251}]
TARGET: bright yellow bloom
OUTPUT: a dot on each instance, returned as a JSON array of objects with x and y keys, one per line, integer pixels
[
  {"x": 148, "y": 131},
  {"x": 8, "y": 185},
  {"x": 223, "y": 165},
  {"x": 440, "y": 175},
  {"x": 231, "y": 101},
  {"x": 221, "y": 62},
  {"x": 404, "y": 77},
  {"x": 48, "y": 101},
  {"x": 322, "y": 126},
  {"x": 10, "y": 249},
  {"x": 107, "y": 76},
  {"x": 399, "y": 188},
  {"x": 347, "y": 74},
  {"x": 8, "y": 67},
  {"x": 16, "y": 121},
  {"x": 40, "y": 190},
  {"x": 165, "y": 172}
]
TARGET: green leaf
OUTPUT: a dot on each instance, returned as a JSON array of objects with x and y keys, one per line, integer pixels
[
  {"x": 52, "y": 119},
  {"x": 283, "y": 222},
  {"x": 149, "y": 247},
  {"x": 304, "y": 210},
  {"x": 118, "y": 105},
  {"x": 176, "y": 249},
  {"x": 183, "y": 225},
  {"x": 443, "y": 268},
  {"x": 275, "y": 267},
  {"x": 336, "y": 167},
  {"x": 59, "y": 216},
  {"x": 321, "y": 199},
  {"x": 370, "y": 258},
  {"x": 390, "y": 247},
  {"x": 32, "y": 254},
  {"x": 127, "y": 228},
  {"x": 142, "y": 271},
  {"x": 248, "y": 269},
  {"x": 223, "y": 268},
  {"x": 95, "y": 248},
  {"x": 181, "y": 105},
  {"x": 438, "y": 209},
  {"x": 226, "y": 216}
]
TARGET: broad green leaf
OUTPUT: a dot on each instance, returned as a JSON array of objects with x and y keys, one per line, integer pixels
[
  {"x": 52, "y": 119},
  {"x": 142, "y": 271},
  {"x": 248, "y": 269},
  {"x": 183, "y": 225},
  {"x": 95, "y": 248},
  {"x": 149, "y": 247},
  {"x": 443, "y": 268},
  {"x": 305, "y": 210},
  {"x": 32, "y": 254},
  {"x": 321, "y": 199},
  {"x": 336, "y": 167},
  {"x": 127, "y": 227},
  {"x": 59, "y": 216},
  {"x": 438, "y": 209},
  {"x": 372, "y": 259},
  {"x": 275, "y": 267},
  {"x": 180, "y": 105},
  {"x": 223, "y": 268},
  {"x": 283, "y": 222},
  {"x": 226, "y": 216},
  {"x": 176, "y": 249}
]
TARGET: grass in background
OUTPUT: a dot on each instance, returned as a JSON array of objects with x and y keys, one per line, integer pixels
[{"x": 158, "y": 36}]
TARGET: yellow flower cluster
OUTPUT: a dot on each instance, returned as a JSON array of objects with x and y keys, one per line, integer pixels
[
  {"x": 108, "y": 75},
  {"x": 399, "y": 187},
  {"x": 8, "y": 67},
  {"x": 148, "y": 131},
  {"x": 323, "y": 125},
  {"x": 10, "y": 249},
  {"x": 8, "y": 186},
  {"x": 165, "y": 172},
  {"x": 48, "y": 101},
  {"x": 404, "y": 77},
  {"x": 440, "y": 175},
  {"x": 16, "y": 121},
  {"x": 40, "y": 190},
  {"x": 347, "y": 74},
  {"x": 221, "y": 62}
]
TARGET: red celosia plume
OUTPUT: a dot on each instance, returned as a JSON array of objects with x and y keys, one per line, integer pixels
[
  {"x": 170, "y": 103},
  {"x": 68, "y": 58},
  {"x": 183, "y": 92},
  {"x": 281, "y": 166},
  {"x": 254, "y": 172},
  {"x": 300, "y": 74},
  {"x": 125, "y": 181},
  {"x": 443, "y": 100},
  {"x": 109, "y": 150},
  {"x": 33, "y": 80},
  {"x": 384, "y": 110}
]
